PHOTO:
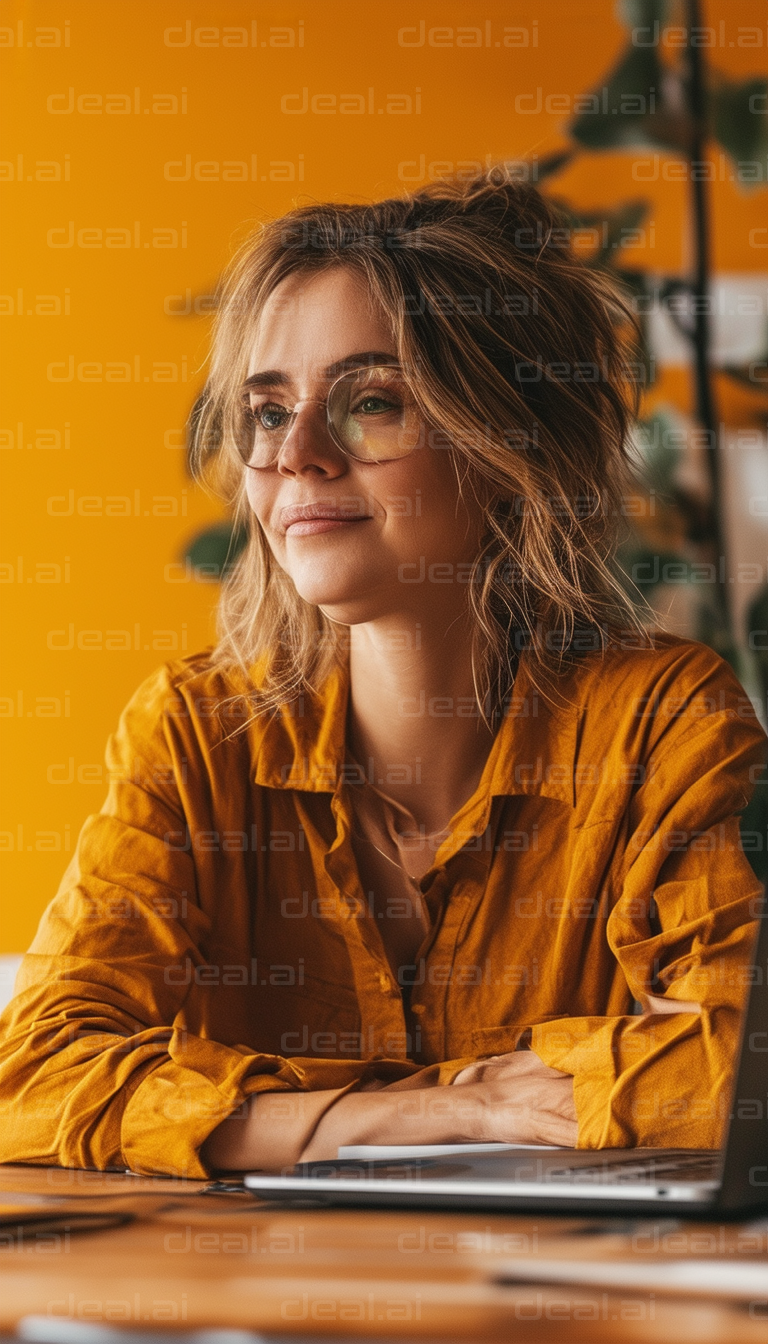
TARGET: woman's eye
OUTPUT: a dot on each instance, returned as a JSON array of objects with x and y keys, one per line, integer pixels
[
  {"x": 376, "y": 404},
  {"x": 270, "y": 416}
]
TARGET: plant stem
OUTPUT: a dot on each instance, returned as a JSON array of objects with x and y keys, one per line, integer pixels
[{"x": 705, "y": 401}]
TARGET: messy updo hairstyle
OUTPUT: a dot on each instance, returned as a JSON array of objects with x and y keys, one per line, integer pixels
[{"x": 521, "y": 357}]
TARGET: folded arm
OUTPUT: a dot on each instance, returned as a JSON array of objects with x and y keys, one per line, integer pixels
[{"x": 512, "y": 1098}]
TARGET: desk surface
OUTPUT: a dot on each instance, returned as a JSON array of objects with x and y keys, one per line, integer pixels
[{"x": 193, "y": 1258}]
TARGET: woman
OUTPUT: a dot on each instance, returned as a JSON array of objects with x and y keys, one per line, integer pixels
[{"x": 436, "y": 844}]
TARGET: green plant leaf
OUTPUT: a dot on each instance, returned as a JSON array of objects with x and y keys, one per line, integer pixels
[
  {"x": 624, "y": 219},
  {"x": 553, "y": 163},
  {"x": 609, "y": 224},
  {"x": 660, "y": 462},
  {"x": 742, "y": 132},
  {"x": 753, "y": 827},
  {"x": 604, "y": 126},
  {"x": 713, "y": 630},
  {"x": 642, "y": 13},
  {"x": 757, "y": 634},
  {"x": 643, "y": 566},
  {"x": 213, "y": 552},
  {"x": 640, "y": 103}
]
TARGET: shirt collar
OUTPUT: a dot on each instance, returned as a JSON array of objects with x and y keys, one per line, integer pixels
[{"x": 534, "y": 751}]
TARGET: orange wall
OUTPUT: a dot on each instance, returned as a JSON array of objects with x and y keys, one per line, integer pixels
[{"x": 105, "y": 106}]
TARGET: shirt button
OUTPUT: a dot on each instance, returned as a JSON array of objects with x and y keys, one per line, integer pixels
[
  {"x": 418, "y": 1007},
  {"x": 384, "y": 982}
]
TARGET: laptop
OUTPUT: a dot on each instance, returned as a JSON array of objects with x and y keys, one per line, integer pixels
[{"x": 508, "y": 1178}]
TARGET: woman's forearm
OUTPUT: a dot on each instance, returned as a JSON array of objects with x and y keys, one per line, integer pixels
[
  {"x": 424, "y": 1115},
  {"x": 277, "y": 1129},
  {"x": 513, "y": 1098}
]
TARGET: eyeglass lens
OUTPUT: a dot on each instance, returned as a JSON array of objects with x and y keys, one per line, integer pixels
[{"x": 371, "y": 415}]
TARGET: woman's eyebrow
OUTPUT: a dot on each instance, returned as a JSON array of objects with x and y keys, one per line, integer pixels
[
  {"x": 274, "y": 378},
  {"x": 269, "y": 378},
  {"x": 360, "y": 360}
]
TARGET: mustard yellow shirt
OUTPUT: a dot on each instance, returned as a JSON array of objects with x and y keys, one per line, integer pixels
[{"x": 211, "y": 938}]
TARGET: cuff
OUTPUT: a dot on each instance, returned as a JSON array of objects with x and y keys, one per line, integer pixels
[
  {"x": 177, "y": 1104},
  {"x": 585, "y": 1048},
  {"x": 174, "y": 1106}
]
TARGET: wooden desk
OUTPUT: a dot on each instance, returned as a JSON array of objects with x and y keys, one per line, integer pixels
[{"x": 192, "y": 1259}]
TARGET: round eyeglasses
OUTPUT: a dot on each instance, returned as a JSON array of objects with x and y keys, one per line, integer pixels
[{"x": 371, "y": 415}]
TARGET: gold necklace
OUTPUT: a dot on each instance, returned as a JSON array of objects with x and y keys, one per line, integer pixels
[{"x": 396, "y": 863}]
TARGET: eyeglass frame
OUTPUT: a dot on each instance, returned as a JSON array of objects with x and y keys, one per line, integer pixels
[{"x": 324, "y": 401}]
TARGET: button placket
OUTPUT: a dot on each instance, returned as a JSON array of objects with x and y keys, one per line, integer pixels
[
  {"x": 381, "y": 1005},
  {"x": 459, "y": 886}
]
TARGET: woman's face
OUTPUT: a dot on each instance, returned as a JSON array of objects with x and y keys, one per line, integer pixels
[{"x": 395, "y": 521}]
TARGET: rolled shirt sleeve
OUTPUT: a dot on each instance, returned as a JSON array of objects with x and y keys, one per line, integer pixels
[
  {"x": 682, "y": 930},
  {"x": 97, "y": 1068}
]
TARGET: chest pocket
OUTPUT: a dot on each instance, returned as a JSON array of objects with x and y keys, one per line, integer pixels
[{"x": 501, "y": 1040}]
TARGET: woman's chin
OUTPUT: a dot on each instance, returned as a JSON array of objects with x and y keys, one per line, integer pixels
[
  {"x": 346, "y": 606},
  {"x": 334, "y": 586}
]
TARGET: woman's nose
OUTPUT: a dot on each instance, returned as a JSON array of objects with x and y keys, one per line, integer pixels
[{"x": 308, "y": 443}]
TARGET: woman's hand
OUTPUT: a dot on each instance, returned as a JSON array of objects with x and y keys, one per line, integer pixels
[
  {"x": 522, "y": 1100},
  {"x": 513, "y": 1098}
]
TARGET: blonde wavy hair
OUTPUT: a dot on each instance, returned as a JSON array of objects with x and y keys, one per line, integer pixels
[{"x": 521, "y": 356}]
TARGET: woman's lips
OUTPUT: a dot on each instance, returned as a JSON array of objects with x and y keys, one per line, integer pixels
[{"x": 306, "y": 527}]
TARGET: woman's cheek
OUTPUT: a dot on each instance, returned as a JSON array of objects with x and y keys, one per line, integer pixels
[
  {"x": 253, "y": 493},
  {"x": 260, "y": 505}
]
